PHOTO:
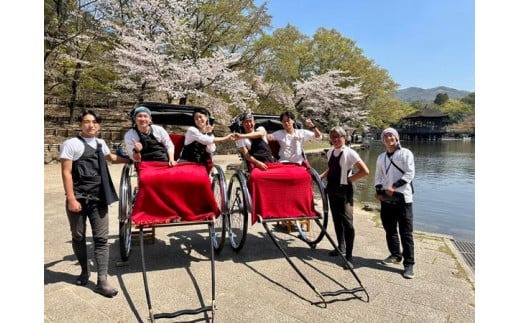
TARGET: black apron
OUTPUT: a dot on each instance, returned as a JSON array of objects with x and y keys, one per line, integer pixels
[
  {"x": 334, "y": 188},
  {"x": 91, "y": 179},
  {"x": 260, "y": 150},
  {"x": 153, "y": 150}
]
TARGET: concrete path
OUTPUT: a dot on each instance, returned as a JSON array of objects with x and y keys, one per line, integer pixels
[{"x": 257, "y": 284}]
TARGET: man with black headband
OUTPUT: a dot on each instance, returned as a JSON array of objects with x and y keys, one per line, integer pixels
[{"x": 395, "y": 171}]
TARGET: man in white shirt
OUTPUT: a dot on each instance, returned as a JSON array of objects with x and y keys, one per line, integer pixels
[
  {"x": 291, "y": 140},
  {"x": 395, "y": 170}
]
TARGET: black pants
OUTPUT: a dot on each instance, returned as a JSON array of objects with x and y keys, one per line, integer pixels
[
  {"x": 97, "y": 215},
  {"x": 343, "y": 217},
  {"x": 394, "y": 215}
]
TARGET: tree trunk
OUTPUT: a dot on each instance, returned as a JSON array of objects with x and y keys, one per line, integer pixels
[
  {"x": 140, "y": 97},
  {"x": 183, "y": 100},
  {"x": 74, "y": 92}
]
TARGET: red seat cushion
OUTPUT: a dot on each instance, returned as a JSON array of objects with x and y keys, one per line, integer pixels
[
  {"x": 167, "y": 194},
  {"x": 178, "y": 142},
  {"x": 275, "y": 148},
  {"x": 281, "y": 191}
]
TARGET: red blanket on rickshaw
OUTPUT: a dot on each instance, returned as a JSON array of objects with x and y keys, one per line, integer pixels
[
  {"x": 282, "y": 191},
  {"x": 166, "y": 194}
]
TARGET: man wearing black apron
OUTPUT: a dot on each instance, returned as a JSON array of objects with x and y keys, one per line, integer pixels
[
  {"x": 146, "y": 141},
  {"x": 89, "y": 190}
]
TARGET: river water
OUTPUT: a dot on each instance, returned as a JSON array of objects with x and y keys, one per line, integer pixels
[{"x": 444, "y": 199}]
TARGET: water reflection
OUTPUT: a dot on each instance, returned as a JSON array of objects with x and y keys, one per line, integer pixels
[{"x": 444, "y": 200}]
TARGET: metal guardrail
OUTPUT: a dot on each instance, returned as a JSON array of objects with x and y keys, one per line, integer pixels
[{"x": 467, "y": 250}]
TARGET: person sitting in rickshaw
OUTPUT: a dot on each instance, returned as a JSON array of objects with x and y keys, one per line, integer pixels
[
  {"x": 252, "y": 143},
  {"x": 146, "y": 141},
  {"x": 291, "y": 140},
  {"x": 165, "y": 193},
  {"x": 199, "y": 141},
  {"x": 278, "y": 189}
]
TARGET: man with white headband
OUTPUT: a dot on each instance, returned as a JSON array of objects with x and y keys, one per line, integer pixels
[{"x": 395, "y": 170}]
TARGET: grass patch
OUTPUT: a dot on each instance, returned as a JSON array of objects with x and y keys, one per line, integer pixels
[{"x": 316, "y": 144}]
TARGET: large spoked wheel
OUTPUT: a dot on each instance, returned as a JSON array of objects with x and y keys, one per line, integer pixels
[
  {"x": 239, "y": 206},
  {"x": 218, "y": 185},
  {"x": 125, "y": 210},
  {"x": 314, "y": 234}
]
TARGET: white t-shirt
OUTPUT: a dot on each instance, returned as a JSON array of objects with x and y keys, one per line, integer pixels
[
  {"x": 349, "y": 158},
  {"x": 73, "y": 148},
  {"x": 291, "y": 146}
]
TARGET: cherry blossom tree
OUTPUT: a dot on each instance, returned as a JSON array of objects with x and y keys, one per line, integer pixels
[
  {"x": 331, "y": 98},
  {"x": 155, "y": 48},
  {"x": 272, "y": 95}
]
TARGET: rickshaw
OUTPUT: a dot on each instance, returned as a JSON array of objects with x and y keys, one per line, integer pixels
[
  {"x": 130, "y": 228},
  {"x": 309, "y": 225}
]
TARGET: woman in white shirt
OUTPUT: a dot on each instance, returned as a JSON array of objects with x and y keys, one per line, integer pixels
[
  {"x": 341, "y": 160},
  {"x": 199, "y": 139}
]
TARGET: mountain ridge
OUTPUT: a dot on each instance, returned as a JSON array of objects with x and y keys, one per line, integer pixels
[{"x": 412, "y": 94}]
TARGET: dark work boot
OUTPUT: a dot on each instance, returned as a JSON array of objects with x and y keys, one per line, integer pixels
[
  {"x": 80, "y": 250},
  {"x": 82, "y": 279},
  {"x": 104, "y": 288},
  {"x": 334, "y": 252}
]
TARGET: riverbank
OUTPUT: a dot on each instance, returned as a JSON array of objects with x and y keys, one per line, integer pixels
[{"x": 257, "y": 284}]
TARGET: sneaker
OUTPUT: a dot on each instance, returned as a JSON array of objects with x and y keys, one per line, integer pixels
[
  {"x": 335, "y": 253},
  {"x": 392, "y": 260},
  {"x": 408, "y": 272}
]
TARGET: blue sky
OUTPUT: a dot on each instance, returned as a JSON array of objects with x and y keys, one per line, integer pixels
[{"x": 421, "y": 43}]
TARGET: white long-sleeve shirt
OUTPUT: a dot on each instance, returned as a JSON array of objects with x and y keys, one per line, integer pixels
[
  {"x": 159, "y": 133},
  {"x": 387, "y": 174},
  {"x": 194, "y": 134}
]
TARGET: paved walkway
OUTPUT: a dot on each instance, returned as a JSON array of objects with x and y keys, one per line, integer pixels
[{"x": 257, "y": 284}]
